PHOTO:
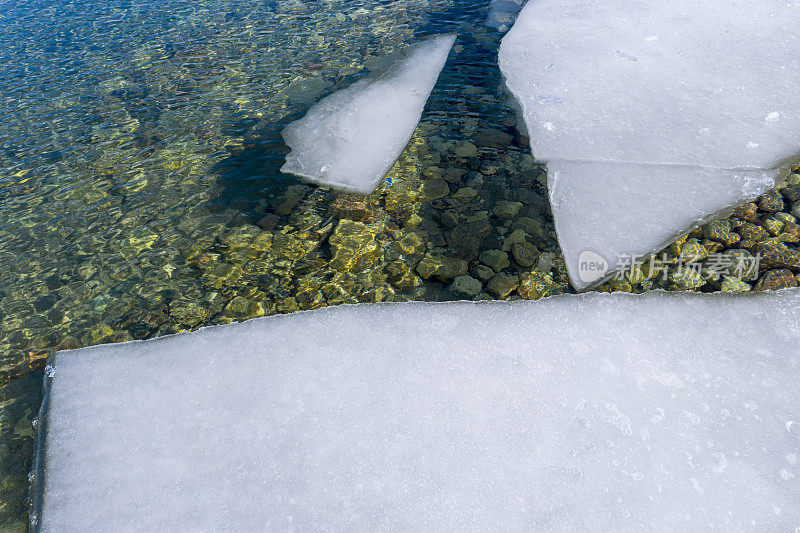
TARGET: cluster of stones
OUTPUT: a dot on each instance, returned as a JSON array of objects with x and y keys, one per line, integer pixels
[
  {"x": 762, "y": 236},
  {"x": 441, "y": 231}
]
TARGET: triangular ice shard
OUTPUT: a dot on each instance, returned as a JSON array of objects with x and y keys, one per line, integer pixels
[
  {"x": 697, "y": 85},
  {"x": 620, "y": 210},
  {"x": 665, "y": 411},
  {"x": 350, "y": 139}
]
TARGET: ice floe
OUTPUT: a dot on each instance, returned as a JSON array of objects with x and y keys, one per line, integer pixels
[
  {"x": 596, "y": 411},
  {"x": 350, "y": 139},
  {"x": 638, "y": 95}
]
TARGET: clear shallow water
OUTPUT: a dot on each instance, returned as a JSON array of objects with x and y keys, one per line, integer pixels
[
  {"x": 138, "y": 135},
  {"x": 139, "y": 185}
]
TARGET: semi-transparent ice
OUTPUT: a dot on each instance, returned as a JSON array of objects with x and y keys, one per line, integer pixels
[
  {"x": 625, "y": 211},
  {"x": 350, "y": 139},
  {"x": 714, "y": 86},
  {"x": 502, "y": 13},
  {"x": 589, "y": 412}
]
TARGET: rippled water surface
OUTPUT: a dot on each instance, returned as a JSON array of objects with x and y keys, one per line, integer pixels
[{"x": 139, "y": 185}]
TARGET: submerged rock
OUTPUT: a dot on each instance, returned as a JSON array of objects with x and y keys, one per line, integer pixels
[
  {"x": 466, "y": 284},
  {"x": 441, "y": 267},
  {"x": 771, "y": 201},
  {"x": 720, "y": 231},
  {"x": 497, "y": 259},
  {"x": 354, "y": 246},
  {"x": 188, "y": 312},
  {"x": 506, "y": 209},
  {"x": 731, "y": 284},
  {"x": 534, "y": 285},
  {"x": 776, "y": 279},
  {"x": 525, "y": 254},
  {"x": 240, "y": 308},
  {"x": 433, "y": 189},
  {"x": 779, "y": 256},
  {"x": 502, "y": 284}
]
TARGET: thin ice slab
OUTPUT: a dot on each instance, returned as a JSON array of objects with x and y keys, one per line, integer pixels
[
  {"x": 621, "y": 212},
  {"x": 350, "y": 139},
  {"x": 596, "y": 411},
  {"x": 714, "y": 86}
]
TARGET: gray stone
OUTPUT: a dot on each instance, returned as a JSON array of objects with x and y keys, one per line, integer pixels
[
  {"x": 466, "y": 239},
  {"x": 771, "y": 202},
  {"x": 516, "y": 236},
  {"x": 528, "y": 225},
  {"x": 465, "y": 284},
  {"x": 796, "y": 209},
  {"x": 483, "y": 297},
  {"x": 692, "y": 251},
  {"x": 465, "y": 149},
  {"x": 493, "y": 138},
  {"x": 506, "y": 209},
  {"x": 475, "y": 181},
  {"x": 482, "y": 272},
  {"x": 449, "y": 219},
  {"x": 792, "y": 192},
  {"x": 465, "y": 192},
  {"x": 525, "y": 254},
  {"x": 503, "y": 284},
  {"x": 291, "y": 197},
  {"x": 497, "y": 259},
  {"x": 435, "y": 189},
  {"x": 720, "y": 231},
  {"x": 354, "y": 246},
  {"x": 453, "y": 174},
  {"x": 441, "y": 267},
  {"x": 735, "y": 285},
  {"x": 490, "y": 168}
]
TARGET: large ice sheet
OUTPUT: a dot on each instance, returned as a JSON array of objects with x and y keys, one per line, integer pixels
[
  {"x": 350, "y": 139},
  {"x": 682, "y": 82},
  {"x": 596, "y": 411},
  {"x": 654, "y": 116}
]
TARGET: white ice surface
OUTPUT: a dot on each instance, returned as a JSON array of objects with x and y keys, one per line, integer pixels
[
  {"x": 351, "y": 138},
  {"x": 620, "y": 210},
  {"x": 642, "y": 81},
  {"x": 592, "y": 412},
  {"x": 667, "y": 107}
]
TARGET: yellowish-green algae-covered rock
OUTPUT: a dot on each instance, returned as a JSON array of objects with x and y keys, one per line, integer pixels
[
  {"x": 354, "y": 246},
  {"x": 441, "y": 267}
]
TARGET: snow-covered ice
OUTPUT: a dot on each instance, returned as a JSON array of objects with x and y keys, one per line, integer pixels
[
  {"x": 351, "y": 138},
  {"x": 688, "y": 83},
  {"x": 595, "y": 411},
  {"x": 715, "y": 86}
]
